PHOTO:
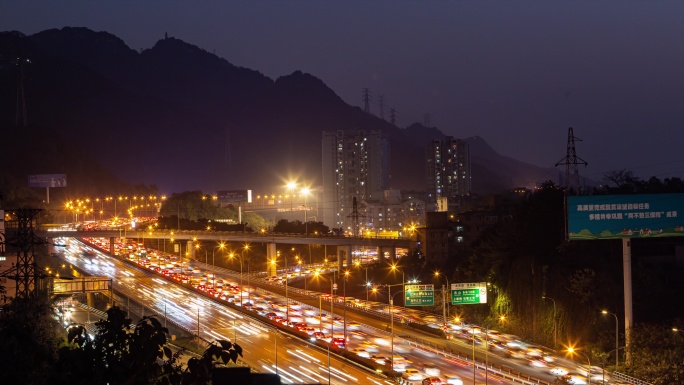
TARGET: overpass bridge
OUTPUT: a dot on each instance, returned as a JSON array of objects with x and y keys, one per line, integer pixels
[{"x": 343, "y": 244}]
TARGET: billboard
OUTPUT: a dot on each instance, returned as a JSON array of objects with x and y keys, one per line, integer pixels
[
  {"x": 47, "y": 180},
  {"x": 234, "y": 196},
  {"x": 625, "y": 216}
]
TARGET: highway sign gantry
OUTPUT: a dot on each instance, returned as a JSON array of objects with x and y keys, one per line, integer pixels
[
  {"x": 468, "y": 293},
  {"x": 420, "y": 295}
]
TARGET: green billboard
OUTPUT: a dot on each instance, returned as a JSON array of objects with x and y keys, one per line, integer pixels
[
  {"x": 420, "y": 295},
  {"x": 468, "y": 293}
]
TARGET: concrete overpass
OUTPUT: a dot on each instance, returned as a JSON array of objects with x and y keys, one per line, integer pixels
[{"x": 344, "y": 244}]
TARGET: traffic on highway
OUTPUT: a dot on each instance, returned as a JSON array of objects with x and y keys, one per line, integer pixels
[{"x": 215, "y": 303}]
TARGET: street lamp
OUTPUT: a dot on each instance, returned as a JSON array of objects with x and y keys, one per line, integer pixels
[
  {"x": 318, "y": 274},
  {"x": 357, "y": 263},
  {"x": 393, "y": 268},
  {"x": 287, "y": 300},
  {"x": 554, "y": 320},
  {"x": 502, "y": 318},
  {"x": 617, "y": 346},
  {"x": 444, "y": 299},
  {"x": 242, "y": 257},
  {"x": 305, "y": 192},
  {"x": 291, "y": 186},
  {"x": 344, "y": 311},
  {"x": 572, "y": 350},
  {"x": 390, "y": 297},
  {"x": 220, "y": 246}
]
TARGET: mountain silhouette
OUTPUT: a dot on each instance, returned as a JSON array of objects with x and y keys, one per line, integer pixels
[{"x": 182, "y": 118}]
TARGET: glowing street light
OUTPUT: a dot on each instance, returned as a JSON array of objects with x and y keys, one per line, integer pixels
[
  {"x": 617, "y": 346},
  {"x": 572, "y": 350}
]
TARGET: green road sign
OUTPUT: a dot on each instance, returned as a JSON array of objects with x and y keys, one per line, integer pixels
[
  {"x": 468, "y": 293},
  {"x": 420, "y": 295}
]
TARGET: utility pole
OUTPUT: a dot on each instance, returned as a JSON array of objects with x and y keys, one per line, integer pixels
[{"x": 393, "y": 116}]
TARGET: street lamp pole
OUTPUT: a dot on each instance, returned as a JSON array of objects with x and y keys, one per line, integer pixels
[
  {"x": 390, "y": 297},
  {"x": 320, "y": 314},
  {"x": 617, "y": 346},
  {"x": 554, "y": 320},
  {"x": 344, "y": 311},
  {"x": 403, "y": 280},
  {"x": 444, "y": 299},
  {"x": 571, "y": 350}
]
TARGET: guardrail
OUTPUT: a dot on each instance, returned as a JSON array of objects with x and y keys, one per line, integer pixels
[{"x": 628, "y": 379}]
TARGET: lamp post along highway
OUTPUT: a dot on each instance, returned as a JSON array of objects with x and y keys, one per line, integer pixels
[
  {"x": 571, "y": 351},
  {"x": 320, "y": 314},
  {"x": 390, "y": 298},
  {"x": 617, "y": 346},
  {"x": 444, "y": 299},
  {"x": 554, "y": 319}
]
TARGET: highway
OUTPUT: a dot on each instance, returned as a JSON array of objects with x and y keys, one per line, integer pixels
[{"x": 297, "y": 361}]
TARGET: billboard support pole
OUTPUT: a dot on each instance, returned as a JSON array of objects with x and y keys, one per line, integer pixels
[{"x": 627, "y": 273}]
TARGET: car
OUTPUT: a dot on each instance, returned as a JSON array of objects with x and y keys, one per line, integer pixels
[
  {"x": 318, "y": 335},
  {"x": 412, "y": 374},
  {"x": 575, "y": 379},
  {"x": 339, "y": 342},
  {"x": 370, "y": 348},
  {"x": 432, "y": 381},
  {"x": 538, "y": 363},
  {"x": 558, "y": 371},
  {"x": 361, "y": 353},
  {"x": 452, "y": 379},
  {"x": 380, "y": 360},
  {"x": 301, "y": 326},
  {"x": 430, "y": 369}
]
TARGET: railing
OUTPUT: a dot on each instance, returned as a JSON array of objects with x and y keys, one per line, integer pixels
[{"x": 628, "y": 379}]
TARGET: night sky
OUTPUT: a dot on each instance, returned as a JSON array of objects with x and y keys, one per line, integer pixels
[{"x": 516, "y": 73}]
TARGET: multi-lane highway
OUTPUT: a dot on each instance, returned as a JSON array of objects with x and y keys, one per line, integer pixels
[{"x": 298, "y": 361}]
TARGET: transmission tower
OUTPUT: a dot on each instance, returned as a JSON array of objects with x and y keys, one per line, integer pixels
[
  {"x": 571, "y": 161},
  {"x": 355, "y": 216},
  {"x": 382, "y": 106},
  {"x": 20, "y": 118},
  {"x": 426, "y": 120},
  {"x": 24, "y": 272},
  {"x": 366, "y": 100},
  {"x": 393, "y": 116}
]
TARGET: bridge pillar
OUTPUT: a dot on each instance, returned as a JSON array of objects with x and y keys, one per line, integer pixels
[
  {"x": 381, "y": 254},
  {"x": 271, "y": 254},
  {"x": 190, "y": 250},
  {"x": 112, "y": 242},
  {"x": 51, "y": 246},
  {"x": 344, "y": 254},
  {"x": 393, "y": 254}
]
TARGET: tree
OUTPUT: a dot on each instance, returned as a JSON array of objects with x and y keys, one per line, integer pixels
[
  {"x": 127, "y": 353},
  {"x": 27, "y": 341},
  {"x": 657, "y": 354}
]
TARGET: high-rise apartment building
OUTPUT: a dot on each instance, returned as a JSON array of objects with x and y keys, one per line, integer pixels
[
  {"x": 355, "y": 165},
  {"x": 448, "y": 170}
]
